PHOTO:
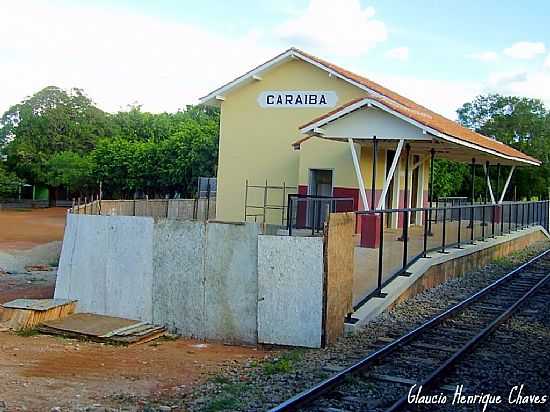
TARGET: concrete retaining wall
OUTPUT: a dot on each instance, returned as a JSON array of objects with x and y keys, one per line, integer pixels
[
  {"x": 199, "y": 279},
  {"x": 290, "y": 290},
  {"x": 106, "y": 263}
]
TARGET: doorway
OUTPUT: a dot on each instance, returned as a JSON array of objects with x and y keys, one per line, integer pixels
[{"x": 320, "y": 184}]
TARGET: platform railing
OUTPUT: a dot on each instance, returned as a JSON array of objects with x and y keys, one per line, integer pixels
[
  {"x": 405, "y": 235},
  {"x": 307, "y": 214}
]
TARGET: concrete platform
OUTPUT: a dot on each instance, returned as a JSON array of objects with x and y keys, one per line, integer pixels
[
  {"x": 437, "y": 268},
  {"x": 366, "y": 260}
]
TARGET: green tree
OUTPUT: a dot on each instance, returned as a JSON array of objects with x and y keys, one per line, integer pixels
[
  {"x": 51, "y": 121},
  {"x": 70, "y": 170},
  {"x": 10, "y": 184},
  {"x": 521, "y": 122},
  {"x": 450, "y": 177},
  {"x": 157, "y": 168}
]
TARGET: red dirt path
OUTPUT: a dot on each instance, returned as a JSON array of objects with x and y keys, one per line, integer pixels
[
  {"x": 24, "y": 229},
  {"x": 40, "y": 372}
]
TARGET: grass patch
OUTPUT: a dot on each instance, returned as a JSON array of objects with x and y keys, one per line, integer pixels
[
  {"x": 220, "y": 380},
  {"x": 27, "y": 332},
  {"x": 223, "y": 404},
  {"x": 168, "y": 338},
  {"x": 503, "y": 262},
  {"x": 283, "y": 364},
  {"x": 230, "y": 396}
]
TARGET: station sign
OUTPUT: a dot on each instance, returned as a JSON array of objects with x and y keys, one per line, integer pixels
[{"x": 297, "y": 99}]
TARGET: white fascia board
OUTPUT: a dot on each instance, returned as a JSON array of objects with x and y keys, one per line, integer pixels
[
  {"x": 289, "y": 54},
  {"x": 250, "y": 75},
  {"x": 429, "y": 130},
  {"x": 483, "y": 149},
  {"x": 334, "y": 116},
  {"x": 336, "y": 74}
]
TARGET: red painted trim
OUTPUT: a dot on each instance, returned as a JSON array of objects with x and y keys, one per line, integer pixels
[{"x": 301, "y": 212}]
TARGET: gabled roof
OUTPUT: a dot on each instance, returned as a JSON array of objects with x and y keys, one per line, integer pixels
[
  {"x": 429, "y": 121},
  {"x": 386, "y": 99}
]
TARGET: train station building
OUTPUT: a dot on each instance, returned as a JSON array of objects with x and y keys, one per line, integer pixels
[{"x": 299, "y": 124}]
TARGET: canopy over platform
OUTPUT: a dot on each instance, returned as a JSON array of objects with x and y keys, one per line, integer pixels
[{"x": 388, "y": 120}]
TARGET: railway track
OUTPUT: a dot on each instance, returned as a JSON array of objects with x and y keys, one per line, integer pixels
[{"x": 427, "y": 354}]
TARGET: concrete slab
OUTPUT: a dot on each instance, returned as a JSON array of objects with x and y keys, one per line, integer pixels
[
  {"x": 106, "y": 265},
  {"x": 231, "y": 282},
  {"x": 290, "y": 290},
  {"x": 178, "y": 285},
  {"x": 130, "y": 268}
]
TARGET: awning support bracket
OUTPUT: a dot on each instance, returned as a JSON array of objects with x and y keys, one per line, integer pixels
[
  {"x": 360, "y": 181},
  {"x": 391, "y": 173},
  {"x": 486, "y": 169},
  {"x": 505, "y": 188}
]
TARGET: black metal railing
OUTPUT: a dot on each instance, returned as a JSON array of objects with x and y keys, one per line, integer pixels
[
  {"x": 457, "y": 225},
  {"x": 307, "y": 214}
]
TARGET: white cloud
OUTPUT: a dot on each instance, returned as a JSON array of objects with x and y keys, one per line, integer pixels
[
  {"x": 525, "y": 50},
  {"x": 399, "y": 53},
  {"x": 534, "y": 84},
  {"x": 441, "y": 96},
  {"x": 334, "y": 27},
  {"x": 486, "y": 56},
  {"x": 547, "y": 61},
  {"x": 117, "y": 57}
]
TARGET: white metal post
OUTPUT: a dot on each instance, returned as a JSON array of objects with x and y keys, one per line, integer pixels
[
  {"x": 358, "y": 174},
  {"x": 506, "y": 184},
  {"x": 489, "y": 184}
]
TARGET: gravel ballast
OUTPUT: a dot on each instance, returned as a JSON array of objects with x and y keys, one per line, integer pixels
[{"x": 257, "y": 386}]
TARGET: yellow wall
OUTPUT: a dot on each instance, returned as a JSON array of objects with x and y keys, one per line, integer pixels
[{"x": 255, "y": 143}]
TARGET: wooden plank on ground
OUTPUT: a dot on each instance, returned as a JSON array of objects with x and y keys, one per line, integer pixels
[
  {"x": 101, "y": 328},
  {"x": 28, "y": 313}
]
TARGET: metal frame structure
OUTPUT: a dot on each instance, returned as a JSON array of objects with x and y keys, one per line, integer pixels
[
  {"x": 266, "y": 206},
  {"x": 316, "y": 202}
]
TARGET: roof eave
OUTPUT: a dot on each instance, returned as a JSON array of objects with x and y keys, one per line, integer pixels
[{"x": 309, "y": 128}]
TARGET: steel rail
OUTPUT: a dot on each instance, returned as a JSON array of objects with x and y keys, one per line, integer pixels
[
  {"x": 439, "y": 373},
  {"x": 307, "y": 396}
]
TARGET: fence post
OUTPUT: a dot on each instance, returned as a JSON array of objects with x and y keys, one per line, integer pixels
[
  {"x": 472, "y": 212},
  {"x": 208, "y": 201},
  {"x": 426, "y": 229},
  {"x": 501, "y": 219},
  {"x": 516, "y": 217},
  {"x": 493, "y": 221},
  {"x": 444, "y": 230},
  {"x": 380, "y": 255},
  {"x": 509, "y": 218},
  {"x": 483, "y": 222},
  {"x": 289, "y": 215},
  {"x": 265, "y": 201},
  {"x": 459, "y": 234}
]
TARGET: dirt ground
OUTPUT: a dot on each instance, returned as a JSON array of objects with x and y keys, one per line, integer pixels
[
  {"x": 22, "y": 229},
  {"x": 41, "y": 372}
]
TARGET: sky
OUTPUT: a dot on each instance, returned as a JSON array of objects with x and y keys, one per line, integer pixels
[{"x": 165, "y": 54}]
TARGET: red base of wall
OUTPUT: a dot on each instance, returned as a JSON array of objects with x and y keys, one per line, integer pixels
[
  {"x": 370, "y": 231},
  {"x": 498, "y": 213}
]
